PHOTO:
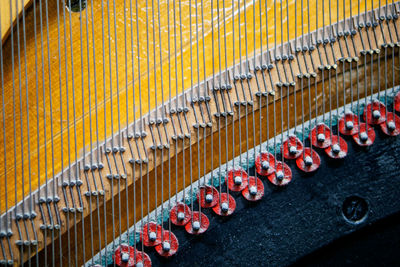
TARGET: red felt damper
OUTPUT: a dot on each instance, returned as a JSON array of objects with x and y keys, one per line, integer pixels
[
  {"x": 348, "y": 124},
  {"x": 169, "y": 245},
  {"x": 254, "y": 183},
  {"x": 268, "y": 157},
  {"x": 307, "y": 154},
  {"x": 124, "y": 249},
  {"x": 224, "y": 203},
  {"x": 232, "y": 174},
  {"x": 392, "y": 125},
  {"x": 203, "y": 224},
  {"x": 120, "y": 261},
  {"x": 283, "y": 168},
  {"x": 202, "y": 196},
  {"x": 369, "y": 113},
  {"x": 364, "y": 137},
  {"x": 338, "y": 148},
  {"x": 147, "y": 229},
  {"x": 294, "y": 142},
  {"x": 320, "y": 129},
  {"x": 180, "y": 208},
  {"x": 397, "y": 102}
]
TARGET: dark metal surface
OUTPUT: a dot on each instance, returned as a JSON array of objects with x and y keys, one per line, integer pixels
[{"x": 313, "y": 211}]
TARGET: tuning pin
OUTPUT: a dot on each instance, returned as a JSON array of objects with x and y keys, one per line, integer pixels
[
  {"x": 320, "y": 136},
  {"x": 338, "y": 148},
  {"x": 237, "y": 179},
  {"x": 180, "y": 214},
  {"x": 255, "y": 190},
  {"x": 392, "y": 125},
  {"x": 265, "y": 164},
  {"x": 207, "y": 196},
  {"x": 375, "y": 113},
  {"x": 198, "y": 224},
  {"x": 365, "y": 135},
  {"x": 282, "y": 174},
  {"x": 226, "y": 205},
  {"x": 309, "y": 160},
  {"x": 169, "y": 245},
  {"x": 348, "y": 124},
  {"x": 292, "y": 147},
  {"x": 124, "y": 256},
  {"x": 151, "y": 234}
]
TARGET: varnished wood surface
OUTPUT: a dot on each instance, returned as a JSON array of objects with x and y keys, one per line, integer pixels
[
  {"x": 111, "y": 189},
  {"x": 129, "y": 207},
  {"x": 58, "y": 67},
  {"x": 9, "y": 11}
]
